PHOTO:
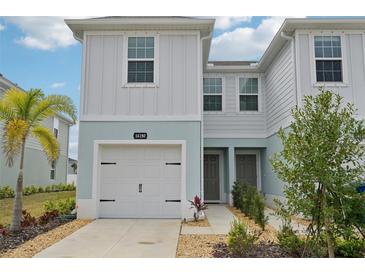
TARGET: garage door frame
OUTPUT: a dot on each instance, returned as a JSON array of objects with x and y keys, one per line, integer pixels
[{"x": 97, "y": 158}]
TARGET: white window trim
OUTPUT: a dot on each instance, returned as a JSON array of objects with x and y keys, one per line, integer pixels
[
  {"x": 259, "y": 93},
  {"x": 222, "y": 94},
  {"x": 344, "y": 82},
  {"x": 222, "y": 195},
  {"x": 258, "y": 164},
  {"x": 155, "y": 60}
]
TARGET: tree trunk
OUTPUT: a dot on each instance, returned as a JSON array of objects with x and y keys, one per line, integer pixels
[
  {"x": 330, "y": 238},
  {"x": 18, "y": 203}
]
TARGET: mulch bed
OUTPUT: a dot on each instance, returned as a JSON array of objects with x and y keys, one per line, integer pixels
[
  {"x": 13, "y": 240},
  {"x": 260, "y": 250},
  {"x": 198, "y": 246}
]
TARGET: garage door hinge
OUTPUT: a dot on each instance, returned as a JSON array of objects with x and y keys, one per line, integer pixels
[
  {"x": 172, "y": 201},
  {"x": 173, "y": 164},
  {"x": 106, "y": 200},
  {"x": 107, "y": 163}
]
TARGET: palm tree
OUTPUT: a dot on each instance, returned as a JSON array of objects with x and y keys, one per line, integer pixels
[{"x": 22, "y": 114}]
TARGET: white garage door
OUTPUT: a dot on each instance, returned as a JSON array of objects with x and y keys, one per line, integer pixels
[{"x": 140, "y": 181}]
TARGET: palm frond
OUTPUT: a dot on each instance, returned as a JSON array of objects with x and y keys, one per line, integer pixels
[
  {"x": 52, "y": 105},
  {"x": 33, "y": 97},
  {"x": 6, "y": 113},
  {"x": 15, "y": 99},
  {"x": 14, "y": 135},
  {"x": 48, "y": 142}
]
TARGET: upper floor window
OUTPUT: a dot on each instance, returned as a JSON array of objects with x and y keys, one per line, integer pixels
[
  {"x": 141, "y": 51},
  {"x": 328, "y": 58},
  {"x": 212, "y": 89},
  {"x": 52, "y": 175},
  {"x": 248, "y": 94}
]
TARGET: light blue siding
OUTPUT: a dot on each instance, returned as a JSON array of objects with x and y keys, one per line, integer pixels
[{"x": 91, "y": 131}]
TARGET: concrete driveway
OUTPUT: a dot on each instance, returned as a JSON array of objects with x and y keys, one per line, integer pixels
[{"x": 119, "y": 238}]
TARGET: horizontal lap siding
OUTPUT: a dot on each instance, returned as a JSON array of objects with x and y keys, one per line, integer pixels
[
  {"x": 279, "y": 84},
  {"x": 231, "y": 123},
  {"x": 105, "y": 93}
]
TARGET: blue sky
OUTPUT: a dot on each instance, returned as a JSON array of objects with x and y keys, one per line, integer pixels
[{"x": 40, "y": 52}]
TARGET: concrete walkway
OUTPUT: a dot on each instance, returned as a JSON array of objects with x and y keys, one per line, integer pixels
[
  {"x": 220, "y": 219},
  {"x": 119, "y": 238}
]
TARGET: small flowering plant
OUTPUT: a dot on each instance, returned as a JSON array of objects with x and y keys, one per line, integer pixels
[{"x": 199, "y": 207}]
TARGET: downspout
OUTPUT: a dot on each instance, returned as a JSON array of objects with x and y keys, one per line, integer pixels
[
  {"x": 209, "y": 36},
  {"x": 291, "y": 38}
]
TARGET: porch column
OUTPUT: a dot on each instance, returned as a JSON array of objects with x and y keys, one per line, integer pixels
[{"x": 231, "y": 171}]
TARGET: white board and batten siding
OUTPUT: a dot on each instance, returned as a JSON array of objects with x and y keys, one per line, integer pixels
[
  {"x": 230, "y": 122},
  {"x": 107, "y": 96},
  {"x": 353, "y": 52},
  {"x": 279, "y": 82}
]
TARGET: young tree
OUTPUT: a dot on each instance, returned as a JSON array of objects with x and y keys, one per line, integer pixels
[
  {"x": 321, "y": 162},
  {"x": 22, "y": 114}
]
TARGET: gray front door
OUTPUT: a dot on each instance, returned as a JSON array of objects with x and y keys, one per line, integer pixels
[
  {"x": 211, "y": 177},
  {"x": 246, "y": 169}
]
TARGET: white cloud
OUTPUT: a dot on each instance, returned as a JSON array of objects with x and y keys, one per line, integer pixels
[
  {"x": 74, "y": 141},
  {"x": 44, "y": 33},
  {"x": 2, "y": 27},
  {"x": 58, "y": 85},
  {"x": 245, "y": 43},
  {"x": 226, "y": 22}
]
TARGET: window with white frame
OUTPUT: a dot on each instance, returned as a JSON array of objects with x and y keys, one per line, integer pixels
[
  {"x": 328, "y": 58},
  {"x": 56, "y": 124},
  {"x": 53, "y": 170},
  {"x": 248, "y": 94},
  {"x": 212, "y": 89},
  {"x": 141, "y": 58}
]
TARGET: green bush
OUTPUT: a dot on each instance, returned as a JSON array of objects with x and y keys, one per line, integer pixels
[
  {"x": 6, "y": 192},
  {"x": 63, "y": 207},
  {"x": 350, "y": 248},
  {"x": 237, "y": 191},
  {"x": 290, "y": 242},
  {"x": 239, "y": 239},
  {"x": 258, "y": 210}
]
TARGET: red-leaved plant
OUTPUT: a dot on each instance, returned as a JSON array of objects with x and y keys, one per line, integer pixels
[{"x": 198, "y": 205}]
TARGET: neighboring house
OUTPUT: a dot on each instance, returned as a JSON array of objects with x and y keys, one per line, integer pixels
[
  {"x": 37, "y": 170},
  {"x": 160, "y": 124},
  {"x": 72, "y": 171}
]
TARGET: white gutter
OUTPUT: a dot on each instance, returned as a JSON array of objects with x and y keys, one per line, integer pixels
[{"x": 291, "y": 38}]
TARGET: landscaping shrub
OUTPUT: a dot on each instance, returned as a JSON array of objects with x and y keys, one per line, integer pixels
[
  {"x": 48, "y": 216},
  {"x": 239, "y": 239},
  {"x": 250, "y": 202},
  {"x": 290, "y": 242},
  {"x": 350, "y": 248},
  {"x": 27, "y": 219},
  {"x": 63, "y": 207},
  {"x": 258, "y": 210},
  {"x": 6, "y": 192},
  {"x": 237, "y": 191}
]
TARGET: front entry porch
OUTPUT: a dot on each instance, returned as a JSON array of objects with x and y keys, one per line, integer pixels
[{"x": 224, "y": 166}]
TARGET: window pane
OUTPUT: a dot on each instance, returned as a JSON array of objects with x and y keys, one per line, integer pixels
[
  {"x": 149, "y": 53},
  {"x": 141, "y": 53},
  {"x": 212, "y": 85},
  {"x": 327, "y": 52},
  {"x": 141, "y": 42},
  {"x": 132, "y": 42},
  {"x": 319, "y": 51},
  {"x": 150, "y": 42},
  {"x": 329, "y": 71},
  {"x": 318, "y": 41},
  {"x": 248, "y": 85},
  {"x": 212, "y": 103},
  {"x": 140, "y": 71},
  {"x": 336, "y": 52},
  {"x": 248, "y": 102},
  {"x": 132, "y": 53}
]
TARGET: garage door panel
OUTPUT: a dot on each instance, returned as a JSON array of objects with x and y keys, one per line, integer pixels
[{"x": 145, "y": 165}]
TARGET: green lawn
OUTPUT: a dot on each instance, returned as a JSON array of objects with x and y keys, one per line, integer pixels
[{"x": 32, "y": 203}]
